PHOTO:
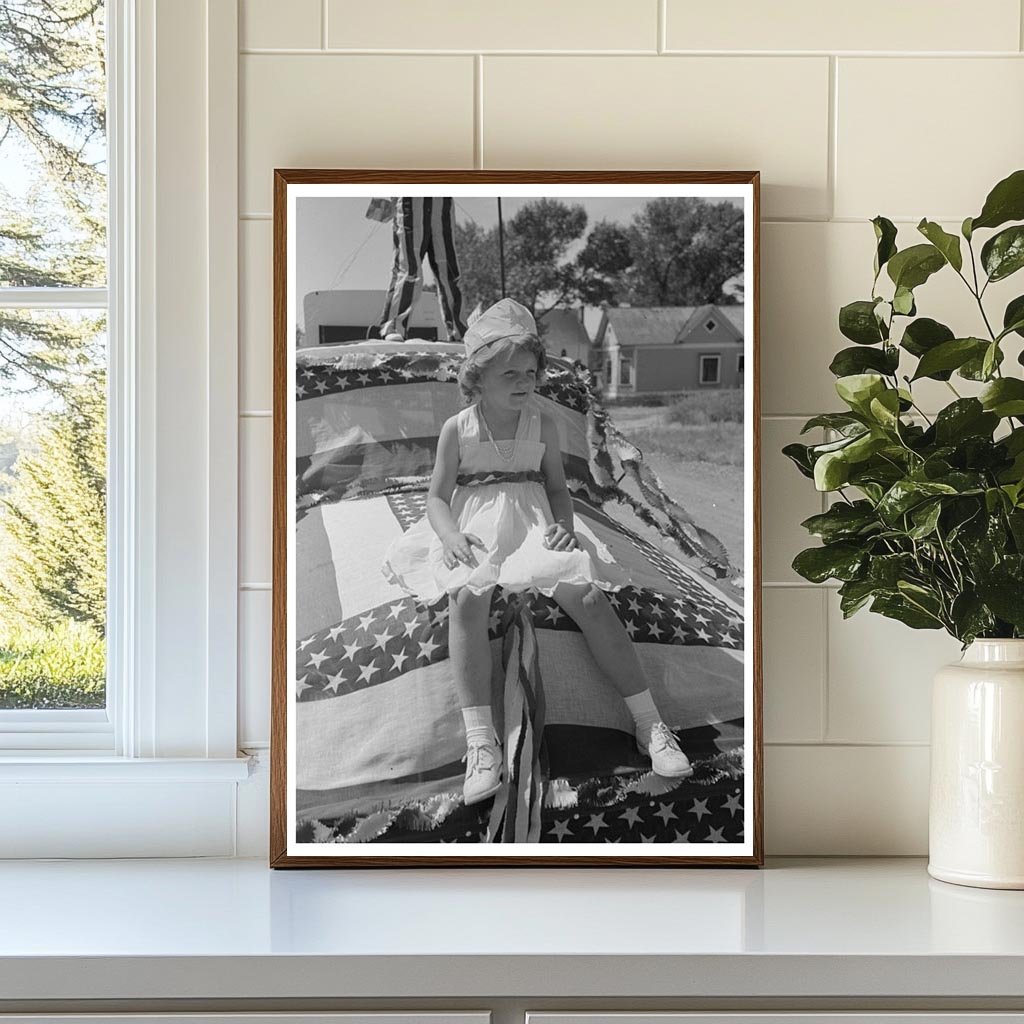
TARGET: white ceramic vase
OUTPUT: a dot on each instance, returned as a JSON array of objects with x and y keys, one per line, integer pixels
[{"x": 976, "y": 814}]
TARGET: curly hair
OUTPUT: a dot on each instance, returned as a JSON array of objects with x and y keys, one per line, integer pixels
[{"x": 472, "y": 367}]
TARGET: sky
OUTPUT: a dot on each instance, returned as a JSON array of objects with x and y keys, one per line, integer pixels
[{"x": 338, "y": 247}]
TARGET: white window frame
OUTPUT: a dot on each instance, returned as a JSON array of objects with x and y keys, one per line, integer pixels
[
  {"x": 173, "y": 470},
  {"x": 718, "y": 370}
]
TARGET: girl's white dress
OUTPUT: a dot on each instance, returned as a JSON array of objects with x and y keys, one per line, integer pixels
[{"x": 509, "y": 518}]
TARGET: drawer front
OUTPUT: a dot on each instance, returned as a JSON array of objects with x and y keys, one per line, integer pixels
[
  {"x": 361, "y": 1017},
  {"x": 934, "y": 1017}
]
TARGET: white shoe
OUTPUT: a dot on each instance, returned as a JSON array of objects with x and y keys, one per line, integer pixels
[
  {"x": 483, "y": 771},
  {"x": 667, "y": 759},
  {"x": 394, "y": 336}
]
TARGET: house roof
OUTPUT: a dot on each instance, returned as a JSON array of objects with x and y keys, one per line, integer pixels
[
  {"x": 563, "y": 329},
  {"x": 661, "y": 325}
]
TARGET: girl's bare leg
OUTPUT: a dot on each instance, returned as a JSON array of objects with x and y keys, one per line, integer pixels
[
  {"x": 469, "y": 648},
  {"x": 606, "y": 637}
]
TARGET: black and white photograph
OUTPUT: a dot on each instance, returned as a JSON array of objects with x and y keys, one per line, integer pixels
[{"x": 515, "y": 529}]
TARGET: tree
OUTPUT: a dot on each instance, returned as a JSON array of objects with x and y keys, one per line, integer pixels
[
  {"x": 538, "y": 272},
  {"x": 53, "y": 123},
  {"x": 684, "y": 250},
  {"x": 53, "y": 521}
]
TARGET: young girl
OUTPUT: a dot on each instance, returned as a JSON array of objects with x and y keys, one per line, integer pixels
[{"x": 499, "y": 514}]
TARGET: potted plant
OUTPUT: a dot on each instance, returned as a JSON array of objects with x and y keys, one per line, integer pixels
[{"x": 926, "y": 524}]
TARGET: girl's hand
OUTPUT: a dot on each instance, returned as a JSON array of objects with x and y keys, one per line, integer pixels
[
  {"x": 458, "y": 549},
  {"x": 558, "y": 538}
]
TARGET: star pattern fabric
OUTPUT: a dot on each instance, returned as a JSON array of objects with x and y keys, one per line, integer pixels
[{"x": 332, "y": 377}]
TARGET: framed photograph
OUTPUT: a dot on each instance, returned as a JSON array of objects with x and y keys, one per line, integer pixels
[{"x": 516, "y": 613}]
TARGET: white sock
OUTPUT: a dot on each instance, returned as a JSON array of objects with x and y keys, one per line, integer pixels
[
  {"x": 645, "y": 714},
  {"x": 479, "y": 723}
]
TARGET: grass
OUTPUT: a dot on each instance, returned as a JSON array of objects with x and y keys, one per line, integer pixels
[
  {"x": 700, "y": 408},
  {"x": 700, "y": 463},
  {"x": 60, "y": 667}
]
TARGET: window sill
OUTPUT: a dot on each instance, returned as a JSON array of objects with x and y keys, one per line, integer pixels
[{"x": 75, "y": 766}]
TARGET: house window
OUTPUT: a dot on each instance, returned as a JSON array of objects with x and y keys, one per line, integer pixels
[
  {"x": 739, "y": 364},
  {"x": 710, "y": 369},
  {"x": 53, "y": 369},
  {"x": 709, "y": 325},
  {"x": 626, "y": 371}
]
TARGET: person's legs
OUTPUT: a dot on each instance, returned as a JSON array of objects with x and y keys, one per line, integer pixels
[
  {"x": 407, "y": 269},
  {"x": 470, "y": 653},
  {"x": 616, "y": 656},
  {"x": 445, "y": 263}
]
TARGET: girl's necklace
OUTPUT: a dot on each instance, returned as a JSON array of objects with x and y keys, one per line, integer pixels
[{"x": 506, "y": 450}]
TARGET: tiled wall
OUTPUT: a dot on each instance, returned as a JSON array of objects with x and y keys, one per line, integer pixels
[{"x": 906, "y": 109}]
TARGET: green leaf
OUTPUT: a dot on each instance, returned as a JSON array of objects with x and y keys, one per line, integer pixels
[
  {"x": 904, "y": 495},
  {"x": 885, "y": 237},
  {"x": 857, "y": 321},
  {"x": 950, "y": 355},
  {"x": 913, "y": 266},
  {"x": 974, "y": 368},
  {"x": 1005, "y": 202},
  {"x": 840, "y": 561},
  {"x": 971, "y": 617},
  {"x": 831, "y": 471},
  {"x": 925, "y": 518},
  {"x": 1013, "y": 317},
  {"x": 903, "y": 302},
  {"x": 1004, "y": 397},
  {"x": 843, "y": 521},
  {"x": 966, "y": 417},
  {"x": 1003, "y": 595},
  {"x": 947, "y": 244},
  {"x": 850, "y": 361},
  {"x": 858, "y": 389},
  {"x": 799, "y": 455},
  {"x": 965, "y": 229},
  {"x": 833, "y": 420},
  {"x": 923, "y": 335},
  {"x": 885, "y": 409},
  {"x": 1003, "y": 254},
  {"x": 990, "y": 360}
]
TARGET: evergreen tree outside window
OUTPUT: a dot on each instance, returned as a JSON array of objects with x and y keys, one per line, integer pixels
[{"x": 53, "y": 360}]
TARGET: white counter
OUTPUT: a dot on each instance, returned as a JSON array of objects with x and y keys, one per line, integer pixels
[{"x": 233, "y": 929}]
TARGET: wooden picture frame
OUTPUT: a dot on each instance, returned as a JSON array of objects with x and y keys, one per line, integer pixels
[{"x": 360, "y": 805}]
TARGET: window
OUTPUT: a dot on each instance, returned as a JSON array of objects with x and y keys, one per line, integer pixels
[
  {"x": 53, "y": 364},
  {"x": 709, "y": 325},
  {"x": 739, "y": 365},
  {"x": 710, "y": 369},
  {"x": 626, "y": 371}
]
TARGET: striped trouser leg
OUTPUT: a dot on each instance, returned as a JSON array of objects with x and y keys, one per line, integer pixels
[
  {"x": 407, "y": 270},
  {"x": 445, "y": 262}
]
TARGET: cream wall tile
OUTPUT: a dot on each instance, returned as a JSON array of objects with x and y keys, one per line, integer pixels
[
  {"x": 255, "y": 508},
  {"x": 683, "y": 113},
  {"x": 846, "y": 801},
  {"x": 787, "y": 498},
  {"x": 809, "y": 271},
  {"x": 868, "y": 25},
  {"x": 351, "y": 111},
  {"x": 794, "y": 663},
  {"x": 470, "y": 25},
  {"x": 254, "y": 610},
  {"x": 255, "y": 315},
  {"x": 880, "y": 676},
  {"x": 272, "y": 25},
  {"x": 962, "y": 128}
]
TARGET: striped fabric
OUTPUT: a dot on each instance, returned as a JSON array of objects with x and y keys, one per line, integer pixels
[
  {"x": 377, "y": 719},
  {"x": 423, "y": 229}
]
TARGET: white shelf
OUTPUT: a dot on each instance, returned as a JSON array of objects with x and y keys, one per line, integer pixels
[{"x": 233, "y": 929}]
